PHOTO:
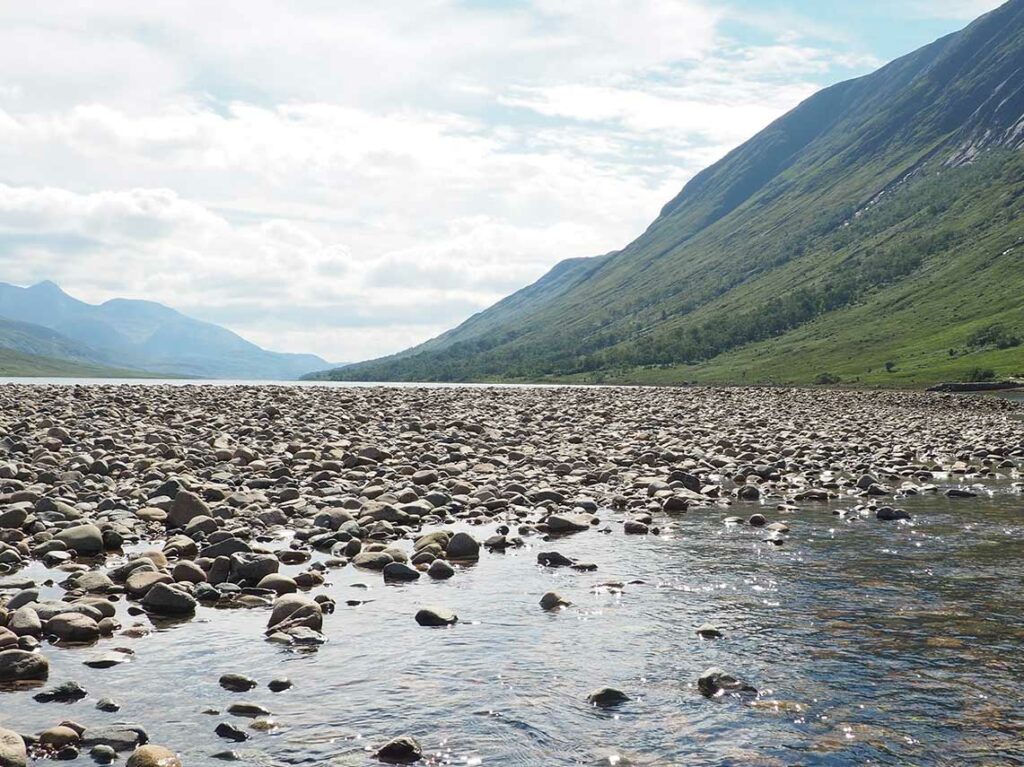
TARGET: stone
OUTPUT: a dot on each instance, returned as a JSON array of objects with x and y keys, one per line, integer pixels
[
  {"x": 552, "y": 600},
  {"x": 247, "y": 710},
  {"x": 237, "y": 682},
  {"x": 163, "y": 599},
  {"x": 440, "y": 570},
  {"x": 85, "y": 540},
  {"x": 228, "y": 731},
  {"x": 59, "y": 737},
  {"x": 463, "y": 547},
  {"x": 889, "y": 514},
  {"x": 73, "y": 628},
  {"x": 401, "y": 750},
  {"x": 103, "y": 754},
  {"x": 292, "y": 610},
  {"x": 119, "y": 737},
  {"x": 606, "y": 697},
  {"x": 715, "y": 683},
  {"x": 25, "y": 621},
  {"x": 748, "y": 493},
  {"x": 279, "y": 584},
  {"x": 708, "y": 631},
  {"x": 12, "y": 749},
  {"x": 187, "y": 571},
  {"x": 23, "y": 666},
  {"x": 399, "y": 572},
  {"x": 436, "y": 616},
  {"x": 554, "y": 559},
  {"x": 153, "y": 756},
  {"x": 186, "y": 507},
  {"x": 65, "y": 692},
  {"x": 372, "y": 560},
  {"x": 568, "y": 523}
]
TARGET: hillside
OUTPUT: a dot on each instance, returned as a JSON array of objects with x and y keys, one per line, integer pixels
[
  {"x": 19, "y": 364},
  {"x": 139, "y": 335},
  {"x": 873, "y": 234}
]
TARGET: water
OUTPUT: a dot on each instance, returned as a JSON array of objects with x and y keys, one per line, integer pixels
[
  {"x": 44, "y": 381},
  {"x": 871, "y": 643}
]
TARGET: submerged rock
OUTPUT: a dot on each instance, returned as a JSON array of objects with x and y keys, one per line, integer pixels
[
  {"x": 552, "y": 600},
  {"x": 404, "y": 749},
  {"x": 606, "y": 697},
  {"x": 436, "y": 616},
  {"x": 715, "y": 683}
]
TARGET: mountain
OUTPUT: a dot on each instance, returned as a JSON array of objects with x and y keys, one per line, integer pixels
[
  {"x": 148, "y": 337},
  {"x": 873, "y": 234}
]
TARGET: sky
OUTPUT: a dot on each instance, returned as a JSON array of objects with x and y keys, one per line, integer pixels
[{"x": 352, "y": 178}]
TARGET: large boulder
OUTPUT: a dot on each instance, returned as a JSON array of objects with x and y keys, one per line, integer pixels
[
  {"x": 86, "y": 540},
  {"x": 23, "y": 666}
]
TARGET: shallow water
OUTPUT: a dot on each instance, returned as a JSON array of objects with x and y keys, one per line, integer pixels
[{"x": 882, "y": 643}]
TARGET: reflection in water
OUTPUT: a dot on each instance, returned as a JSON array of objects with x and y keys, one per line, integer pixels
[{"x": 871, "y": 643}]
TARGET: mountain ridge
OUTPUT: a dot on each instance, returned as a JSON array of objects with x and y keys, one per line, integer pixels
[
  {"x": 129, "y": 334},
  {"x": 785, "y": 231}
]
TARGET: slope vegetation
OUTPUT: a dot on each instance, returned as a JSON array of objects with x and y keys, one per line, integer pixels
[{"x": 872, "y": 234}]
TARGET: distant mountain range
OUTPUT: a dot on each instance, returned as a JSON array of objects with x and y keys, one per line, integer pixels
[
  {"x": 874, "y": 234},
  {"x": 45, "y": 331}
]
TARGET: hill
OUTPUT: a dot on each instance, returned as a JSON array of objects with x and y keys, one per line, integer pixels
[
  {"x": 20, "y": 364},
  {"x": 873, "y": 235},
  {"x": 139, "y": 335}
]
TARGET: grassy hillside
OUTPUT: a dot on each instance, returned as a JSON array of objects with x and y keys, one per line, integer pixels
[
  {"x": 18, "y": 364},
  {"x": 873, "y": 234}
]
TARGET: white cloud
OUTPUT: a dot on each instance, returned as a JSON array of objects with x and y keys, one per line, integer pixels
[
  {"x": 959, "y": 10},
  {"x": 350, "y": 178}
]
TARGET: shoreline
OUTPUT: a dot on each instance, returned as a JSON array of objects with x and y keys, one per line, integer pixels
[{"x": 147, "y": 510}]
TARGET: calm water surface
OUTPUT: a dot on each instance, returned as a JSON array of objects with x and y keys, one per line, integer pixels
[{"x": 871, "y": 643}]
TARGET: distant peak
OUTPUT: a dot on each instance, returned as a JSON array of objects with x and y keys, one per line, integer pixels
[{"x": 47, "y": 285}]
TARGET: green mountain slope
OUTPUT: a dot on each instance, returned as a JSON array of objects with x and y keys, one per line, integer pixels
[
  {"x": 19, "y": 364},
  {"x": 878, "y": 222},
  {"x": 36, "y": 340}
]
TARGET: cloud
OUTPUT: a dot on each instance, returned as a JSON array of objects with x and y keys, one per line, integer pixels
[
  {"x": 959, "y": 10},
  {"x": 351, "y": 178}
]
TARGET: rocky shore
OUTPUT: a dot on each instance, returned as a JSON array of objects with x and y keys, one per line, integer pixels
[{"x": 163, "y": 502}]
